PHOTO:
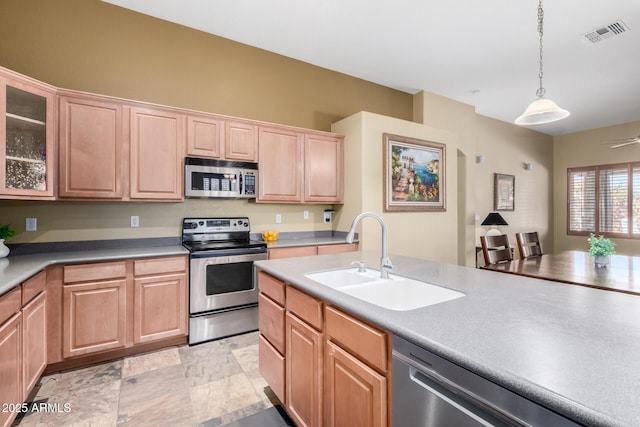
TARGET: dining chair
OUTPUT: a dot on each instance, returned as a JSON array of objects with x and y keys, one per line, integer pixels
[
  {"x": 496, "y": 249},
  {"x": 529, "y": 245}
]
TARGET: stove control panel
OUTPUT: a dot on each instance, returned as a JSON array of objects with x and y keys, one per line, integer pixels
[{"x": 214, "y": 225}]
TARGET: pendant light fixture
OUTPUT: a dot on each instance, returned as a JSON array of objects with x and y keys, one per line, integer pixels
[{"x": 542, "y": 110}]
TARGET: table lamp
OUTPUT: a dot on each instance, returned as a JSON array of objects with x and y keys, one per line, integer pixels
[{"x": 494, "y": 219}]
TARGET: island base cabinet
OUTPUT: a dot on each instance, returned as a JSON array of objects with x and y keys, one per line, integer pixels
[
  {"x": 272, "y": 367},
  {"x": 10, "y": 367},
  {"x": 304, "y": 373},
  {"x": 356, "y": 395}
]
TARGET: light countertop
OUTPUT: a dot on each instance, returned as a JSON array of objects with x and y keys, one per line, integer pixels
[
  {"x": 16, "y": 269},
  {"x": 572, "y": 349}
]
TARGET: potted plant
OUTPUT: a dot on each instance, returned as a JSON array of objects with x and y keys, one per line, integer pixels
[
  {"x": 6, "y": 231},
  {"x": 600, "y": 248}
]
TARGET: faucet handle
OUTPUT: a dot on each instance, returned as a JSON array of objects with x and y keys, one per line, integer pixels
[
  {"x": 360, "y": 265},
  {"x": 386, "y": 264}
]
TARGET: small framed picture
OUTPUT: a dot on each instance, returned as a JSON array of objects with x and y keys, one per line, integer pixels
[{"x": 503, "y": 192}]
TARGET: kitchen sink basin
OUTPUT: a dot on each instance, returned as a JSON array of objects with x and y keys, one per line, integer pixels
[{"x": 396, "y": 293}]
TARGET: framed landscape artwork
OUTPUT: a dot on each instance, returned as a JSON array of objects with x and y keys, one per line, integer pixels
[
  {"x": 503, "y": 192},
  {"x": 414, "y": 174}
]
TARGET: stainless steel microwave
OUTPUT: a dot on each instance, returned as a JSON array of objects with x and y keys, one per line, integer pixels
[{"x": 220, "y": 178}]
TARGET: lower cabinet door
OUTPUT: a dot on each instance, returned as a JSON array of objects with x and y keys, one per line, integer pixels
[
  {"x": 304, "y": 373},
  {"x": 160, "y": 308},
  {"x": 355, "y": 394},
  {"x": 34, "y": 342},
  {"x": 94, "y": 317},
  {"x": 11, "y": 368}
]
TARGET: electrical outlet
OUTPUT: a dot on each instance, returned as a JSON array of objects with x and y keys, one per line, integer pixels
[
  {"x": 278, "y": 218},
  {"x": 31, "y": 224},
  {"x": 135, "y": 221},
  {"x": 305, "y": 214}
]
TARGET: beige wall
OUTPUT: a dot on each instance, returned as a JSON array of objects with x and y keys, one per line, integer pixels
[
  {"x": 449, "y": 236},
  {"x": 67, "y": 221},
  {"x": 505, "y": 148},
  {"x": 427, "y": 235},
  {"x": 589, "y": 148},
  {"x": 461, "y": 120}
]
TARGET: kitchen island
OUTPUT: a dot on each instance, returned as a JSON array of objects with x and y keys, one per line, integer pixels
[{"x": 571, "y": 349}]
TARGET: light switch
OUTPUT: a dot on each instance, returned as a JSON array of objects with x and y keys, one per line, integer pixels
[{"x": 135, "y": 221}]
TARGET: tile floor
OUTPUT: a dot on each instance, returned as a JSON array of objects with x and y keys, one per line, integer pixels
[{"x": 210, "y": 384}]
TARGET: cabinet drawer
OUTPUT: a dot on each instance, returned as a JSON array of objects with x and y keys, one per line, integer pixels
[
  {"x": 336, "y": 249},
  {"x": 297, "y": 251},
  {"x": 10, "y": 303},
  {"x": 305, "y": 307},
  {"x": 272, "y": 367},
  {"x": 365, "y": 342},
  {"x": 143, "y": 267},
  {"x": 271, "y": 321},
  {"x": 33, "y": 286},
  {"x": 271, "y": 287},
  {"x": 87, "y": 272}
]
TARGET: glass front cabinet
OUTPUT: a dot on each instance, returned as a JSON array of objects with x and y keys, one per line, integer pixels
[{"x": 27, "y": 126}]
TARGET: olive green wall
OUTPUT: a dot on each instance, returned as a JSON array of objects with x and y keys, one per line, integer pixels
[{"x": 96, "y": 47}]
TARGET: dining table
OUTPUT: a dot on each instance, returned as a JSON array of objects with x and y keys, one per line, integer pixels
[{"x": 577, "y": 268}]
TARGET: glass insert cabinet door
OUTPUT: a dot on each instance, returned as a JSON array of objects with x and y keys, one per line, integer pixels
[{"x": 26, "y": 146}]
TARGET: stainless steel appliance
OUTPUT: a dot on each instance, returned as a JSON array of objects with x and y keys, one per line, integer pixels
[
  {"x": 223, "y": 300},
  {"x": 430, "y": 391},
  {"x": 220, "y": 178}
]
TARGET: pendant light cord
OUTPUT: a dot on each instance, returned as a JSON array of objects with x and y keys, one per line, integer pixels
[{"x": 540, "y": 92}]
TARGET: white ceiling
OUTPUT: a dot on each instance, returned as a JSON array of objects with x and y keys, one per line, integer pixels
[{"x": 483, "y": 53}]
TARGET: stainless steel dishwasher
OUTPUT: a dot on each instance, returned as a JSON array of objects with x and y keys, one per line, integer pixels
[{"x": 430, "y": 391}]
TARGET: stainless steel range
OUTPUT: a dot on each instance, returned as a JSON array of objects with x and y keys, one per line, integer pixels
[{"x": 222, "y": 298}]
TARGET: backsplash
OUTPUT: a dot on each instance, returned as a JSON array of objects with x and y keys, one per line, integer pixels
[{"x": 71, "y": 221}]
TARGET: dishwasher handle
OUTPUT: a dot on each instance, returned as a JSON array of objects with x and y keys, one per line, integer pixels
[{"x": 451, "y": 398}]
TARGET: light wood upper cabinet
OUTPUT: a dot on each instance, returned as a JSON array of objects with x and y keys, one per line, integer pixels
[
  {"x": 157, "y": 154},
  {"x": 280, "y": 171},
  {"x": 241, "y": 141},
  {"x": 215, "y": 137},
  {"x": 323, "y": 169},
  {"x": 27, "y": 137},
  {"x": 93, "y": 149},
  {"x": 299, "y": 167},
  {"x": 205, "y": 136}
]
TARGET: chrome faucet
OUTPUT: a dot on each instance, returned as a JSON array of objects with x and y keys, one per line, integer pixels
[{"x": 385, "y": 262}]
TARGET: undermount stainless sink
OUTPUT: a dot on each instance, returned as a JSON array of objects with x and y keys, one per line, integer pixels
[{"x": 395, "y": 293}]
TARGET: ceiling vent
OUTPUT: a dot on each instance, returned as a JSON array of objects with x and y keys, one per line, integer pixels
[{"x": 615, "y": 29}]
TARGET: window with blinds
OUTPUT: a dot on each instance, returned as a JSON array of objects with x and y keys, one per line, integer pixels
[
  {"x": 582, "y": 201},
  {"x": 604, "y": 200}
]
